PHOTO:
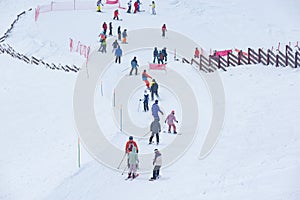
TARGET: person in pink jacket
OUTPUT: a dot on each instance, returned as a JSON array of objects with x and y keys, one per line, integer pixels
[{"x": 170, "y": 121}]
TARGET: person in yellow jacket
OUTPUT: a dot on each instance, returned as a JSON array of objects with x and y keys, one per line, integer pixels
[
  {"x": 153, "y": 8},
  {"x": 99, "y": 4}
]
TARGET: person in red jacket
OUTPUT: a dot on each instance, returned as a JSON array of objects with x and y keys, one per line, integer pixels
[
  {"x": 116, "y": 15},
  {"x": 145, "y": 77},
  {"x": 104, "y": 26},
  {"x": 136, "y": 6},
  {"x": 164, "y": 29},
  {"x": 197, "y": 53},
  {"x": 129, "y": 144}
]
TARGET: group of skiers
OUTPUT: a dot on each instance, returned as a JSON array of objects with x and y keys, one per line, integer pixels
[
  {"x": 161, "y": 56},
  {"x": 136, "y": 6},
  {"x": 131, "y": 147},
  {"x": 103, "y": 38},
  {"x": 132, "y": 150}
]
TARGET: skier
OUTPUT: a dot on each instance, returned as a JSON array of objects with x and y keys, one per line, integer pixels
[
  {"x": 145, "y": 77},
  {"x": 170, "y": 121},
  {"x": 139, "y": 4},
  {"x": 99, "y": 4},
  {"x": 153, "y": 8},
  {"x": 116, "y": 14},
  {"x": 157, "y": 162},
  {"x": 155, "y": 129},
  {"x": 165, "y": 54},
  {"x": 119, "y": 33},
  {"x": 134, "y": 66},
  {"x": 124, "y": 36},
  {"x": 163, "y": 30},
  {"x": 129, "y": 144},
  {"x": 155, "y": 54},
  {"x": 146, "y": 101},
  {"x": 197, "y": 53},
  {"x": 155, "y": 109},
  {"x": 154, "y": 89},
  {"x": 115, "y": 45},
  {"x": 129, "y": 7},
  {"x": 136, "y": 6},
  {"x": 118, "y": 54},
  {"x": 102, "y": 36},
  {"x": 110, "y": 29},
  {"x": 133, "y": 162},
  {"x": 160, "y": 58},
  {"x": 104, "y": 26},
  {"x": 102, "y": 48}
]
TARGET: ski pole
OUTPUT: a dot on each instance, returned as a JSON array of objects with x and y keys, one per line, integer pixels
[
  {"x": 121, "y": 161},
  {"x": 124, "y": 170},
  {"x": 144, "y": 135},
  {"x": 125, "y": 69},
  {"x": 139, "y": 105}
]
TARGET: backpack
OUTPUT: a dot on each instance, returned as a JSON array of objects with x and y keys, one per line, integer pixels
[{"x": 161, "y": 56}]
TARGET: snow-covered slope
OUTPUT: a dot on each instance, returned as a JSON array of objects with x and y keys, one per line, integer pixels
[{"x": 256, "y": 156}]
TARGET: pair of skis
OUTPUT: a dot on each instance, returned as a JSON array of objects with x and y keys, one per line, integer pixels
[{"x": 131, "y": 178}]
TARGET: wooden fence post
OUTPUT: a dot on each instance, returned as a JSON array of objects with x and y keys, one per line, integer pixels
[
  {"x": 200, "y": 62},
  {"x": 249, "y": 55},
  {"x": 286, "y": 55},
  {"x": 228, "y": 61},
  {"x": 296, "y": 59}
]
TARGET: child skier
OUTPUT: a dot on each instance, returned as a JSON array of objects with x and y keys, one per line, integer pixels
[
  {"x": 124, "y": 36},
  {"x": 155, "y": 128},
  {"x": 146, "y": 101},
  {"x": 170, "y": 121},
  {"x": 160, "y": 58},
  {"x": 133, "y": 162},
  {"x": 157, "y": 162}
]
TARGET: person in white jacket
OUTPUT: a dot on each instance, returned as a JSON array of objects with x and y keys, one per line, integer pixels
[
  {"x": 157, "y": 162},
  {"x": 133, "y": 161}
]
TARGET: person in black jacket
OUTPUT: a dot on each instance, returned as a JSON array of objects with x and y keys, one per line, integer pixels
[
  {"x": 155, "y": 54},
  {"x": 154, "y": 89},
  {"x": 146, "y": 101},
  {"x": 119, "y": 32}
]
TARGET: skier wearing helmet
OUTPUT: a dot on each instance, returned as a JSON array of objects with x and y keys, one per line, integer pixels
[{"x": 170, "y": 121}]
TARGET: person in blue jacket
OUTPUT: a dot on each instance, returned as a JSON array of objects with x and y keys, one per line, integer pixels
[
  {"x": 155, "y": 109},
  {"x": 134, "y": 66},
  {"x": 118, "y": 54}
]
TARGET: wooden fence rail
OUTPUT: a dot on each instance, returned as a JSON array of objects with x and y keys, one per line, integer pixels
[{"x": 291, "y": 58}]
